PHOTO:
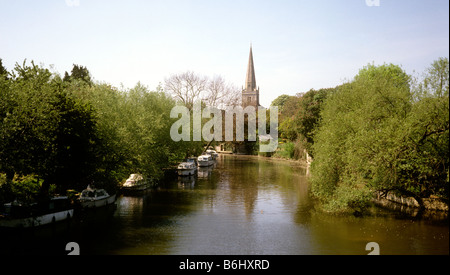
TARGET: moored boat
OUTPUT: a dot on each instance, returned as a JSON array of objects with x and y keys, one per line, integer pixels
[
  {"x": 135, "y": 183},
  {"x": 213, "y": 153},
  {"x": 92, "y": 198},
  {"x": 186, "y": 169},
  {"x": 205, "y": 160},
  {"x": 18, "y": 215}
]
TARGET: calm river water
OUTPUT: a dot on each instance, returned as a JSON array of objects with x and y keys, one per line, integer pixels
[{"x": 243, "y": 205}]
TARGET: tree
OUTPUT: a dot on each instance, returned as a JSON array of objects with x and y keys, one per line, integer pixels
[
  {"x": 358, "y": 143},
  {"x": 79, "y": 73},
  {"x": 376, "y": 136},
  {"x": 66, "y": 77},
  {"x": 436, "y": 81},
  {"x": 45, "y": 131},
  {"x": 309, "y": 114},
  {"x": 74, "y": 159},
  {"x": 66, "y": 134},
  {"x": 287, "y": 108},
  {"x": 215, "y": 94},
  {"x": 423, "y": 164},
  {"x": 134, "y": 127},
  {"x": 28, "y": 121},
  {"x": 300, "y": 115},
  {"x": 219, "y": 94},
  {"x": 424, "y": 167},
  {"x": 114, "y": 157},
  {"x": 189, "y": 87},
  {"x": 280, "y": 101},
  {"x": 232, "y": 97},
  {"x": 3, "y": 71},
  {"x": 186, "y": 87}
]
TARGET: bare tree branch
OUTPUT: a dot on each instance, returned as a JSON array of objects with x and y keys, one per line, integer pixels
[
  {"x": 189, "y": 87},
  {"x": 186, "y": 87}
]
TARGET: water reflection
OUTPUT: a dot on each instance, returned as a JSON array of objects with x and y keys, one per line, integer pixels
[
  {"x": 244, "y": 205},
  {"x": 205, "y": 172},
  {"x": 186, "y": 182}
]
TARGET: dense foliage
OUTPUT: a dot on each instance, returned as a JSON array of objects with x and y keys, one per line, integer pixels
[
  {"x": 298, "y": 119},
  {"x": 376, "y": 134},
  {"x": 382, "y": 131},
  {"x": 65, "y": 133}
]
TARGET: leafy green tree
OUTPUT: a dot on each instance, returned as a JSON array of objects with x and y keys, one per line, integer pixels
[
  {"x": 148, "y": 131},
  {"x": 287, "y": 129},
  {"x": 112, "y": 152},
  {"x": 436, "y": 81},
  {"x": 309, "y": 113},
  {"x": 300, "y": 116},
  {"x": 376, "y": 136},
  {"x": 287, "y": 107},
  {"x": 44, "y": 130},
  {"x": 280, "y": 101},
  {"x": 79, "y": 73},
  {"x": 3, "y": 71},
  {"x": 425, "y": 165},
  {"x": 356, "y": 144},
  {"x": 28, "y": 121},
  {"x": 66, "y": 77},
  {"x": 134, "y": 127},
  {"x": 75, "y": 144},
  {"x": 66, "y": 133}
]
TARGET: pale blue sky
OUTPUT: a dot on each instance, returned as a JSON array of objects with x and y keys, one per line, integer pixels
[{"x": 297, "y": 45}]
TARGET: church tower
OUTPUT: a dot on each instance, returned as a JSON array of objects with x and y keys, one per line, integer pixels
[{"x": 250, "y": 95}]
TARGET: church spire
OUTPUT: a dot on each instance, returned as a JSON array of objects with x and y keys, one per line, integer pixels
[
  {"x": 250, "y": 80},
  {"x": 250, "y": 95}
]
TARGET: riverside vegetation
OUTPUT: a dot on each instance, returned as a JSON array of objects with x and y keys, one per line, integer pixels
[
  {"x": 382, "y": 131},
  {"x": 65, "y": 133}
]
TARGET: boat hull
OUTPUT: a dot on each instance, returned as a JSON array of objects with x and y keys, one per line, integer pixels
[
  {"x": 186, "y": 172},
  {"x": 207, "y": 163},
  {"x": 38, "y": 220},
  {"x": 135, "y": 189},
  {"x": 87, "y": 203}
]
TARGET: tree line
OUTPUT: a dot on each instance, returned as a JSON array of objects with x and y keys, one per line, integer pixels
[
  {"x": 384, "y": 130},
  {"x": 59, "y": 133}
]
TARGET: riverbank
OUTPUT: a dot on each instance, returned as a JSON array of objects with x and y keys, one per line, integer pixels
[{"x": 427, "y": 203}]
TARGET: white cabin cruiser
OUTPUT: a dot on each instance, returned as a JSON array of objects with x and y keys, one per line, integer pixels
[
  {"x": 134, "y": 183},
  {"x": 92, "y": 198},
  {"x": 186, "y": 169},
  {"x": 205, "y": 160}
]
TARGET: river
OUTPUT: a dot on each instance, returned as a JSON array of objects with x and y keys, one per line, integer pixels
[{"x": 243, "y": 205}]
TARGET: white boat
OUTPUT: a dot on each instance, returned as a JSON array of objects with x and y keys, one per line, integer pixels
[
  {"x": 205, "y": 160},
  {"x": 186, "y": 169},
  {"x": 213, "y": 153},
  {"x": 135, "y": 183},
  {"x": 92, "y": 198},
  {"x": 16, "y": 215}
]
